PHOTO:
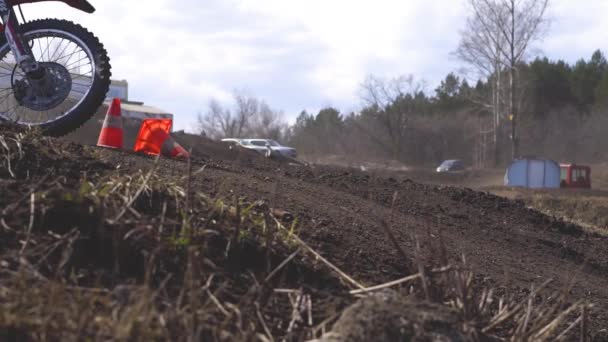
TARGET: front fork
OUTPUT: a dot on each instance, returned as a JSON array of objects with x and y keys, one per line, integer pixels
[{"x": 22, "y": 52}]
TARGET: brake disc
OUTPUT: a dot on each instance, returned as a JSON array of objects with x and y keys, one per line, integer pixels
[{"x": 46, "y": 93}]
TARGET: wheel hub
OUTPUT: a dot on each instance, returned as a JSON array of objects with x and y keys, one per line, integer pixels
[{"x": 46, "y": 92}]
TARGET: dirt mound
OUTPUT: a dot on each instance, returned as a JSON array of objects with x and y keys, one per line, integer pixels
[
  {"x": 203, "y": 253},
  {"x": 388, "y": 316},
  {"x": 206, "y": 148},
  {"x": 134, "y": 244}
]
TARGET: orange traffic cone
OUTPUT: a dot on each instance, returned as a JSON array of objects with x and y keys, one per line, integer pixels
[
  {"x": 111, "y": 134},
  {"x": 171, "y": 148},
  {"x": 152, "y": 135},
  {"x": 154, "y": 138}
]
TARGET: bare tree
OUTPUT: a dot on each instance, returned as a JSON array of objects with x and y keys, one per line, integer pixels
[
  {"x": 480, "y": 48},
  {"x": 391, "y": 103},
  {"x": 247, "y": 107},
  {"x": 268, "y": 123},
  {"x": 249, "y": 117},
  {"x": 217, "y": 122},
  {"x": 520, "y": 23}
]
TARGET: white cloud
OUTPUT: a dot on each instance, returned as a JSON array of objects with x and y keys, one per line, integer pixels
[
  {"x": 577, "y": 29},
  {"x": 295, "y": 54}
]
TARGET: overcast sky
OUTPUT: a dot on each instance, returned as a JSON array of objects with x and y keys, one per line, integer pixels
[{"x": 294, "y": 54}]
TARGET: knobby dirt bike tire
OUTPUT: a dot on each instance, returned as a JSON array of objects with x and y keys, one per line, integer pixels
[{"x": 101, "y": 80}]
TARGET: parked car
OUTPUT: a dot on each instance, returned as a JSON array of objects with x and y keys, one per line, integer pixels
[
  {"x": 451, "y": 165},
  {"x": 268, "y": 147},
  {"x": 232, "y": 142}
]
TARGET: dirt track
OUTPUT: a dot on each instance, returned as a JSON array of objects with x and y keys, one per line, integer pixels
[{"x": 341, "y": 213}]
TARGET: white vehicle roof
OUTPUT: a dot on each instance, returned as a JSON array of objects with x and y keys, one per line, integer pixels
[{"x": 271, "y": 142}]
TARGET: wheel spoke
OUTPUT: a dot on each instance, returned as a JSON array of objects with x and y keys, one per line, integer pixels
[
  {"x": 76, "y": 50},
  {"x": 71, "y": 54},
  {"x": 6, "y": 68},
  {"x": 13, "y": 109},
  {"x": 79, "y": 76},
  {"x": 4, "y": 97},
  {"x": 52, "y": 59},
  {"x": 40, "y": 48},
  {"x": 80, "y": 60},
  {"x": 46, "y": 50}
]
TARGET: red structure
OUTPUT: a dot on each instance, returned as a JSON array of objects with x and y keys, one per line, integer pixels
[{"x": 575, "y": 176}]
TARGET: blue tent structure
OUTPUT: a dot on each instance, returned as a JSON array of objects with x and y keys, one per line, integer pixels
[{"x": 533, "y": 173}]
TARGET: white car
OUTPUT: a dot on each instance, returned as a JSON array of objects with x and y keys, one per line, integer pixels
[
  {"x": 232, "y": 142},
  {"x": 268, "y": 147}
]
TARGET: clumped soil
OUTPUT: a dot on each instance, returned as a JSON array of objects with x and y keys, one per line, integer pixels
[
  {"x": 388, "y": 316},
  {"x": 188, "y": 246}
]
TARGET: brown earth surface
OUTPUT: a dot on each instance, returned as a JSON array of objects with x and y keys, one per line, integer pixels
[
  {"x": 587, "y": 208},
  {"x": 342, "y": 214}
]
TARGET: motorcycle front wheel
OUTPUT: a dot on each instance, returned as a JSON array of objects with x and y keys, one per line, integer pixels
[{"x": 77, "y": 78}]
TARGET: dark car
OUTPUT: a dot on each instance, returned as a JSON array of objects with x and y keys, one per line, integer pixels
[{"x": 451, "y": 166}]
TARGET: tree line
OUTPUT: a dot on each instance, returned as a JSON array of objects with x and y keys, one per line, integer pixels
[{"x": 516, "y": 106}]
